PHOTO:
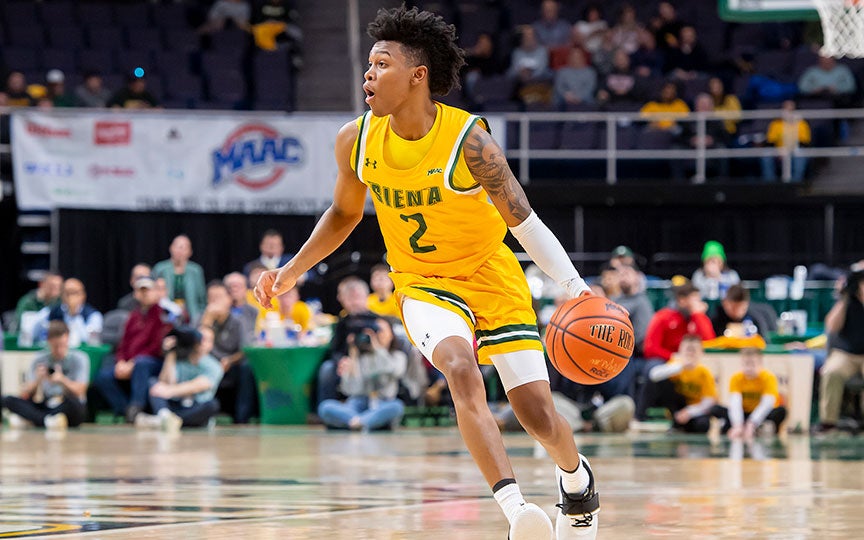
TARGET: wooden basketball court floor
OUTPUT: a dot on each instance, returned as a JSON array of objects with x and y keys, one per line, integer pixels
[{"x": 304, "y": 483}]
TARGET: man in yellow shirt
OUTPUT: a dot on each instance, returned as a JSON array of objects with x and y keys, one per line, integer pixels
[
  {"x": 382, "y": 301},
  {"x": 444, "y": 199},
  {"x": 666, "y": 109},
  {"x": 754, "y": 400},
  {"x": 684, "y": 386},
  {"x": 786, "y": 134}
]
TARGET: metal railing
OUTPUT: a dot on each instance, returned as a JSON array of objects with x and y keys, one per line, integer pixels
[{"x": 612, "y": 154}]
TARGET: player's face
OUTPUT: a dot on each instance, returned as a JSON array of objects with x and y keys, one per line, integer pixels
[{"x": 388, "y": 78}]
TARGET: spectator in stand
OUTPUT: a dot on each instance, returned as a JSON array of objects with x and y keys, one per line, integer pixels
[
  {"x": 623, "y": 256},
  {"x": 603, "y": 59},
  {"x": 56, "y": 89},
  {"x": 529, "y": 68},
  {"x": 272, "y": 249},
  {"x": 714, "y": 278},
  {"x": 84, "y": 321},
  {"x": 16, "y": 91},
  {"x": 648, "y": 60},
  {"x": 666, "y": 26},
  {"x": 274, "y": 25},
  {"x": 716, "y": 136},
  {"x": 128, "y": 302},
  {"x": 591, "y": 29},
  {"x": 56, "y": 394},
  {"x": 754, "y": 400},
  {"x": 292, "y": 309},
  {"x": 222, "y": 11},
  {"x": 827, "y": 79},
  {"x": 669, "y": 325},
  {"x": 845, "y": 322},
  {"x": 184, "y": 394},
  {"x": 240, "y": 307},
  {"x": 610, "y": 281},
  {"x": 633, "y": 298},
  {"x": 481, "y": 60},
  {"x": 687, "y": 61},
  {"x": 134, "y": 95},
  {"x": 47, "y": 294},
  {"x": 786, "y": 134},
  {"x": 726, "y": 103},
  {"x": 123, "y": 378},
  {"x": 381, "y": 300},
  {"x": 736, "y": 309},
  {"x": 238, "y": 383},
  {"x": 668, "y": 106},
  {"x": 184, "y": 278},
  {"x": 91, "y": 92},
  {"x": 353, "y": 294},
  {"x": 576, "y": 82},
  {"x": 625, "y": 33},
  {"x": 684, "y": 386},
  {"x": 550, "y": 31},
  {"x": 173, "y": 311},
  {"x": 619, "y": 85},
  {"x": 369, "y": 375}
]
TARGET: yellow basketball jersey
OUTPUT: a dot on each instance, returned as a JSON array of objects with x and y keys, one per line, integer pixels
[
  {"x": 435, "y": 218},
  {"x": 752, "y": 390}
]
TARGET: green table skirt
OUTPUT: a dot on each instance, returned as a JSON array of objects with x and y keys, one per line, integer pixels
[{"x": 284, "y": 378}]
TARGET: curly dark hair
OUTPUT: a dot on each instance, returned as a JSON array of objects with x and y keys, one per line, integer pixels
[{"x": 427, "y": 39}]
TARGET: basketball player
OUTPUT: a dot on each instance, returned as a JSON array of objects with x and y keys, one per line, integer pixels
[{"x": 445, "y": 196}]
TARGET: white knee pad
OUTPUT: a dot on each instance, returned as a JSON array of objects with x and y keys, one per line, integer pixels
[{"x": 428, "y": 325}]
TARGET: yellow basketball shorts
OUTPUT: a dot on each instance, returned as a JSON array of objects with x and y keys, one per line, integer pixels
[{"x": 495, "y": 303}]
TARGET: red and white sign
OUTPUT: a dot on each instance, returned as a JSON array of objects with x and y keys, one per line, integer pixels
[
  {"x": 112, "y": 133},
  {"x": 40, "y": 130}
]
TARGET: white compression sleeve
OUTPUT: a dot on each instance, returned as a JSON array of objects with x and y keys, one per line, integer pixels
[
  {"x": 665, "y": 371},
  {"x": 736, "y": 409},
  {"x": 703, "y": 407},
  {"x": 546, "y": 251}
]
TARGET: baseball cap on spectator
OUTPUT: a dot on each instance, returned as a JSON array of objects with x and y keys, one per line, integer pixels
[
  {"x": 622, "y": 251},
  {"x": 713, "y": 248},
  {"x": 55, "y": 76},
  {"x": 145, "y": 282}
]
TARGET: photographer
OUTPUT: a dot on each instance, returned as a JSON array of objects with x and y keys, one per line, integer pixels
[
  {"x": 184, "y": 394},
  {"x": 370, "y": 378},
  {"x": 352, "y": 294},
  {"x": 56, "y": 394},
  {"x": 845, "y": 323}
]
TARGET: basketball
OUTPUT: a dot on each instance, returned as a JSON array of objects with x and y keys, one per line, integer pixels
[{"x": 589, "y": 339}]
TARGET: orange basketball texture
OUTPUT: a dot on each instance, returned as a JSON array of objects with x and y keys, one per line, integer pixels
[{"x": 589, "y": 339}]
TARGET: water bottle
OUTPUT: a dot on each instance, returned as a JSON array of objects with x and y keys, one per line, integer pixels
[{"x": 750, "y": 329}]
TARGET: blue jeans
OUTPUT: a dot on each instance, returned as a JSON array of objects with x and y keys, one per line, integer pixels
[
  {"x": 114, "y": 391},
  {"x": 337, "y": 414},
  {"x": 196, "y": 415},
  {"x": 769, "y": 171}
]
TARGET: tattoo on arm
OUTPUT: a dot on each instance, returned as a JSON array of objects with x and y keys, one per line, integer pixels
[{"x": 488, "y": 165}]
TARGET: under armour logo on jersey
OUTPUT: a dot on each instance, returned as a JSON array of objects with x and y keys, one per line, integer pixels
[
  {"x": 423, "y": 343},
  {"x": 434, "y": 171},
  {"x": 372, "y": 162}
]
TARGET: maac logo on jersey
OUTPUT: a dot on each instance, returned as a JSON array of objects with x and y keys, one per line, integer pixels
[
  {"x": 436, "y": 170},
  {"x": 255, "y": 156}
]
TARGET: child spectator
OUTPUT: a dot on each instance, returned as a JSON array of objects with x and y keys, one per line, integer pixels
[
  {"x": 754, "y": 400},
  {"x": 381, "y": 300},
  {"x": 684, "y": 386},
  {"x": 714, "y": 277}
]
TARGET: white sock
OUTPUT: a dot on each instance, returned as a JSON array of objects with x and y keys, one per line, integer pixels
[
  {"x": 510, "y": 500},
  {"x": 576, "y": 482}
]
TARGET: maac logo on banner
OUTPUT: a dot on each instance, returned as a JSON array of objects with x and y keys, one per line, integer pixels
[{"x": 255, "y": 156}]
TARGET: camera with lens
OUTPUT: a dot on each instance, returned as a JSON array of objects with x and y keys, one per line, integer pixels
[
  {"x": 362, "y": 339},
  {"x": 186, "y": 338},
  {"x": 853, "y": 283},
  {"x": 51, "y": 370}
]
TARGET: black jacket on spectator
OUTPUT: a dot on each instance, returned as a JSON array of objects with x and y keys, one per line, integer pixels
[{"x": 762, "y": 315}]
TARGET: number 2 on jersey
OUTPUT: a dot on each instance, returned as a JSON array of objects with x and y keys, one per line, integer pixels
[{"x": 421, "y": 230}]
